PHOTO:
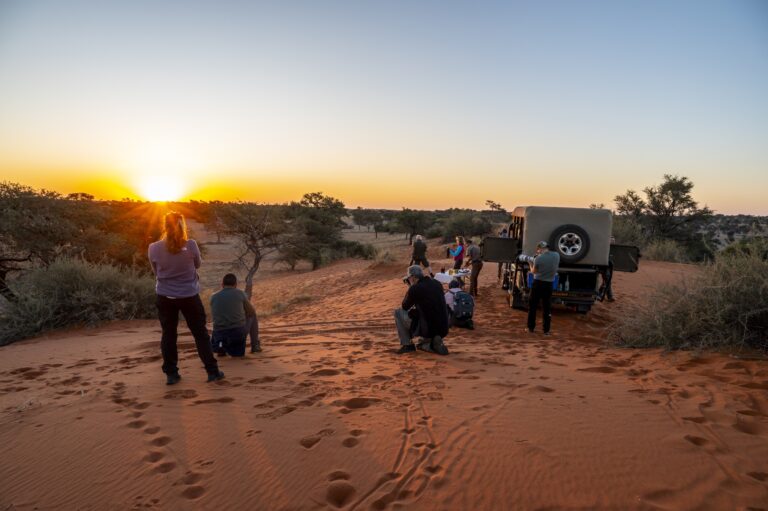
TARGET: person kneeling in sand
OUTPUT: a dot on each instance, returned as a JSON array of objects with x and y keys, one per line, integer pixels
[
  {"x": 233, "y": 319},
  {"x": 423, "y": 313}
]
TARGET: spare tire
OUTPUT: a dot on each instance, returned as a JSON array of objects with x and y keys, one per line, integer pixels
[{"x": 571, "y": 242}]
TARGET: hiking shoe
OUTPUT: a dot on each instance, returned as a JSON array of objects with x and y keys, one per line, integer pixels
[
  {"x": 172, "y": 379},
  {"x": 425, "y": 345},
  {"x": 256, "y": 349},
  {"x": 406, "y": 348},
  {"x": 528, "y": 331},
  {"x": 547, "y": 334},
  {"x": 218, "y": 375},
  {"x": 438, "y": 346}
]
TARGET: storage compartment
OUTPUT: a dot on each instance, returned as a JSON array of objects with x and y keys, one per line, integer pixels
[{"x": 577, "y": 282}]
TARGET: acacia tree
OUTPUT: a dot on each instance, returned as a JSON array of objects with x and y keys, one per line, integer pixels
[
  {"x": 315, "y": 225},
  {"x": 257, "y": 228},
  {"x": 668, "y": 211},
  {"x": 35, "y": 226},
  {"x": 412, "y": 222}
]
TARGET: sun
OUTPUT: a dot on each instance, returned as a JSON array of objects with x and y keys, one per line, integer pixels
[{"x": 160, "y": 188}]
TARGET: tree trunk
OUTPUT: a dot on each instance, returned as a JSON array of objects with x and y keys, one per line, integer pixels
[{"x": 249, "y": 276}]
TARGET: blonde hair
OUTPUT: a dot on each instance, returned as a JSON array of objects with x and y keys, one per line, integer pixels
[{"x": 174, "y": 232}]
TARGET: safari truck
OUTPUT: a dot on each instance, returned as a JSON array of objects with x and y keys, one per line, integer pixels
[{"x": 582, "y": 237}]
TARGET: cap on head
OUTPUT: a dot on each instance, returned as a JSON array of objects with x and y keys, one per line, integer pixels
[
  {"x": 415, "y": 271},
  {"x": 542, "y": 244},
  {"x": 454, "y": 284}
]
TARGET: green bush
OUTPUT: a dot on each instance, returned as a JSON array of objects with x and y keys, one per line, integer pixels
[
  {"x": 665, "y": 250},
  {"x": 75, "y": 292},
  {"x": 724, "y": 306}
]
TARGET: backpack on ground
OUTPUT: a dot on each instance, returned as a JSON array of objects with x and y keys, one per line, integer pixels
[{"x": 463, "y": 306}]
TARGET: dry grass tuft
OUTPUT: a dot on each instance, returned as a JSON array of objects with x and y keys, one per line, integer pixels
[{"x": 723, "y": 307}]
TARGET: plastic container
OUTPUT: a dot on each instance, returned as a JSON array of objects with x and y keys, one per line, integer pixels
[{"x": 554, "y": 282}]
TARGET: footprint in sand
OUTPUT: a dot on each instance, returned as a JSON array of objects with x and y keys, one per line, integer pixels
[
  {"x": 153, "y": 456},
  {"x": 339, "y": 493},
  {"x": 180, "y": 394},
  {"x": 350, "y": 442},
  {"x": 337, "y": 475},
  {"x": 224, "y": 399},
  {"x": 161, "y": 441},
  {"x": 357, "y": 403},
  {"x": 164, "y": 468},
  {"x": 309, "y": 442},
  {"x": 137, "y": 424},
  {"x": 697, "y": 420},
  {"x": 749, "y": 428},
  {"x": 760, "y": 476},
  {"x": 193, "y": 492},
  {"x": 696, "y": 440},
  {"x": 151, "y": 430}
]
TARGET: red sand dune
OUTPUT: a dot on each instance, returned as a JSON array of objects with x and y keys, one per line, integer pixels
[{"x": 329, "y": 417}]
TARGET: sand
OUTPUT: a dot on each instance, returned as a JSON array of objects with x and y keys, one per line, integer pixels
[{"x": 328, "y": 417}]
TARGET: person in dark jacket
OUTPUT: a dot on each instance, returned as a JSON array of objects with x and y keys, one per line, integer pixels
[
  {"x": 423, "y": 313},
  {"x": 419, "y": 254}
]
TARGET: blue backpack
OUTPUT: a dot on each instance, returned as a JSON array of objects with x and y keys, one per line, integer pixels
[{"x": 463, "y": 306}]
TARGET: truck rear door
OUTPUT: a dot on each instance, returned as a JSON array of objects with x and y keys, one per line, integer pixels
[
  {"x": 625, "y": 258},
  {"x": 500, "y": 250}
]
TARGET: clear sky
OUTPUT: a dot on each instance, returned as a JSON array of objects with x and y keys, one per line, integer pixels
[{"x": 424, "y": 104}]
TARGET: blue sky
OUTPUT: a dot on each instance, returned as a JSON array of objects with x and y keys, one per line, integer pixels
[{"x": 388, "y": 104}]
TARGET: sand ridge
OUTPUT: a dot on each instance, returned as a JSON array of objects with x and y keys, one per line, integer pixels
[{"x": 328, "y": 417}]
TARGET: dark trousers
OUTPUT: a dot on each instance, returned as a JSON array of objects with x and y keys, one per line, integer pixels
[
  {"x": 230, "y": 341},
  {"x": 252, "y": 327},
  {"x": 457, "y": 264},
  {"x": 476, "y": 267},
  {"x": 540, "y": 291},
  {"x": 194, "y": 313}
]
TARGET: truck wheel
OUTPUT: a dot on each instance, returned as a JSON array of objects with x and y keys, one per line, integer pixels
[{"x": 571, "y": 242}]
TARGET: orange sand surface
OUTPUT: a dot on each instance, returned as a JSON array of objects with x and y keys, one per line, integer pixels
[{"x": 328, "y": 416}]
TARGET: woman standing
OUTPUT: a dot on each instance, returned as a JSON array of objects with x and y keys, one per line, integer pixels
[
  {"x": 175, "y": 260},
  {"x": 458, "y": 253}
]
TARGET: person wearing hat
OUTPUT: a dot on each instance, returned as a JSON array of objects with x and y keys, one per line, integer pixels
[
  {"x": 423, "y": 313},
  {"x": 544, "y": 268}
]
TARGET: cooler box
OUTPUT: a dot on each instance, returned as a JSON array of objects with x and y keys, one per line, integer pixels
[{"x": 554, "y": 282}]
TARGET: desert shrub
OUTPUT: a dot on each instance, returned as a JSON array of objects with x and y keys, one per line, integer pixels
[
  {"x": 665, "y": 250},
  {"x": 757, "y": 246},
  {"x": 341, "y": 249},
  {"x": 75, "y": 292},
  {"x": 724, "y": 306}
]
